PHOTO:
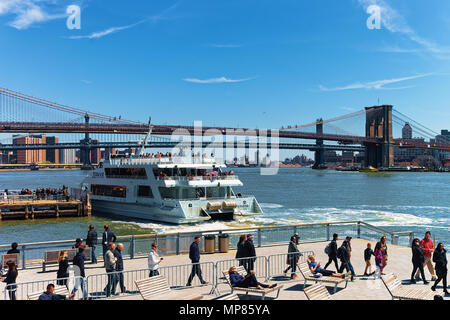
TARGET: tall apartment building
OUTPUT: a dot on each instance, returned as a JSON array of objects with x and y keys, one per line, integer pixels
[
  {"x": 30, "y": 156},
  {"x": 52, "y": 155},
  {"x": 67, "y": 156}
]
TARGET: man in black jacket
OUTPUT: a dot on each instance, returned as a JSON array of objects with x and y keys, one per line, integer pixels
[
  {"x": 108, "y": 236},
  {"x": 440, "y": 260},
  {"x": 91, "y": 241},
  {"x": 345, "y": 258},
  {"x": 250, "y": 253},
  {"x": 332, "y": 254},
  {"x": 78, "y": 261},
  {"x": 194, "y": 255},
  {"x": 119, "y": 266}
]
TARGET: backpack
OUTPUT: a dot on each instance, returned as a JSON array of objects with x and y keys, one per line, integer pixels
[
  {"x": 340, "y": 252},
  {"x": 327, "y": 249}
]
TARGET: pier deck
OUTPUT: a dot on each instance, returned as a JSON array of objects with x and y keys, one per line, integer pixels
[
  {"x": 34, "y": 209},
  {"x": 363, "y": 288}
]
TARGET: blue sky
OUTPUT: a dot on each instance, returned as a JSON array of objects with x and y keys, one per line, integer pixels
[{"x": 247, "y": 63}]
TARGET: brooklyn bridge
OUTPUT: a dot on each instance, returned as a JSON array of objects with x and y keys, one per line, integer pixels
[{"x": 22, "y": 115}]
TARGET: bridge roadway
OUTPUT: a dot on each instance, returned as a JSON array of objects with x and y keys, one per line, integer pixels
[
  {"x": 172, "y": 144},
  {"x": 50, "y": 127}
]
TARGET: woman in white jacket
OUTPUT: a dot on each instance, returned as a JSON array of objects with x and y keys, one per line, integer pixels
[{"x": 154, "y": 260}]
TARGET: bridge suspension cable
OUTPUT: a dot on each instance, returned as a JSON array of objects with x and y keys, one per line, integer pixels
[{"x": 60, "y": 107}]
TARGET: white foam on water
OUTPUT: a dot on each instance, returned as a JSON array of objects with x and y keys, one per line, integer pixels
[{"x": 271, "y": 205}]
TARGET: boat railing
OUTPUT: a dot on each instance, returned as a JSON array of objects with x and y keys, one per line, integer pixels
[
  {"x": 198, "y": 178},
  {"x": 163, "y": 160}
]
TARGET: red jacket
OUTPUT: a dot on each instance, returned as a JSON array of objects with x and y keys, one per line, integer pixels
[{"x": 427, "y": 247}]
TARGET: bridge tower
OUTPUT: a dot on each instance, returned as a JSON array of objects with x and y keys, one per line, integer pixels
[
  {"x": 379, "y": 125},
  {"x": 319, "y": 154},
  {"x": 86, "y": 149}
]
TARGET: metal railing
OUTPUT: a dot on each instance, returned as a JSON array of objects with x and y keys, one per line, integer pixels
[
  {"x": 176, "y": 275},
  {"x": 178, "y": 242},
  {"x": 278, "y": 263},
  {"x": 197, "y": 178},
  {"x": 23, "y": 289}
]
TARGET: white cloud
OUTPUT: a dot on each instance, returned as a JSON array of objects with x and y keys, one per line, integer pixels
[
  {"x": 27, "y": 12},
  {"x": 99, "y": 34},
  {"x": 216, "y": 80},
  {"x": 396, "y": 23},
  {"x": 377, "y": 85}
]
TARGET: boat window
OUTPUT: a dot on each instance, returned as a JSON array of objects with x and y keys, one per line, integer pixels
[
  {"x": 109, "y": 191},
  {"x": 167, "y": 193},
  {"x": 126, "y": 173},
  {"x": 145, "y": 191}
]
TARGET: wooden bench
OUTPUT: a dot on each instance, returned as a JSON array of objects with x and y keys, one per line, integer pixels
[
  {"x": 317, "y": 292},
  {"x": 401, "y": 292},
  {"x": 51, "y": 257},
  {"x": 9, "y": 257},
  {"x": 157, "y": 288},
  {"x": 306, "y": 273},
  {"x": 58, "y": 290},
  {"x": 263, "y": 292},
  {"x": 231, "y": 296}
]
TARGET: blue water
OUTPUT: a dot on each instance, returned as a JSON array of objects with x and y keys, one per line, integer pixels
[{"x": 395, "y": 201}]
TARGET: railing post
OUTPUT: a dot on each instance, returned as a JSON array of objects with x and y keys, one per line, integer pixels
[
  {"x": 295, "y": 230},
  {"x": 359, "y": 230},
  {"x": 178, "y": 244},
  {"x": 132, "y": 247},
  {"x": 24, "y": 264},
  {"x": 259, "y": 238},
  {"x": 411, "y": 237},
  {"x": 328, "y": 232}
]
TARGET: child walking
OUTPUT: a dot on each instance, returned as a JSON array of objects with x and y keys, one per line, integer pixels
[{"x": 368, "y": 253}]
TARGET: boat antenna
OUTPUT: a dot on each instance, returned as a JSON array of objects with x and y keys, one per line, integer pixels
[{"x": 147, "y": 136}]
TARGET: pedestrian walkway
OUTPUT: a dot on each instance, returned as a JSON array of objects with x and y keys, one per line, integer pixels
[{"x": 363, "y": 288}]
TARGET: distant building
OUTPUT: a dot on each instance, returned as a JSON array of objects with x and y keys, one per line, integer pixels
[
  {"x": 406, "y": 131},
  {"x": 30, "y": 156},
  {"x": 52, "y": 155},
  {"x": 67, "y": 156},
  {"x": 444, "y": 137}
]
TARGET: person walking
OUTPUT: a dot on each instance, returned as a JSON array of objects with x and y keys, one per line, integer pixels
[
  {"x": 91, "y": 242},
  {"x": 344, "y": 254},
  {"x": 154, "y": 260},
  {"x": 240, "y": 249},
  {"x": 10, "y": 279},
  {"x": 119, "y": 267},
  {"x": 78, "y": 261},
  {"x": 380, "y": 254},
  {"x": 194, "y": 255},
  {"x": 249, "y": 253},
  {"x": 418, "y": 260},
  {"x": 368, "y": 253},
  {"x": 440, "y": 260},
  {"x": 108, "y": 236},
  {"x": 332, "y": 252},
  {"x": 428, "y": 247},
  {"x": 63, "y": 266},
  {"x": 293, "y": 257},
  {"x": 110, "y": 266}
]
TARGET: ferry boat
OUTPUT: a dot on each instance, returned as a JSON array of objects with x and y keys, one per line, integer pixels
[{"x": 168, "y": 189}]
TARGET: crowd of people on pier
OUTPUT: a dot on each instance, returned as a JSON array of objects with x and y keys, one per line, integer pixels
[
  {"x": 424, "y": 253},
  {"x": 47, "y": 193}
]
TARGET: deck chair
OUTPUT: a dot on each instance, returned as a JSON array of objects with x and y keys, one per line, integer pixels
[
  {"x": 317, "y": 292},
  {"x": 401, "y": 292},
  {"x": 263, "y": 292},
  {"x": 306, "y": 273},
  {"x": 157, "y": 288}
]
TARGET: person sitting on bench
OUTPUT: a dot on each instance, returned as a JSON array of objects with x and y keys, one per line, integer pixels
[
  {"x": 238, "y": 280},
  {"x": 49, "y": 295},
  {"x": 315, "y": 268}
]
